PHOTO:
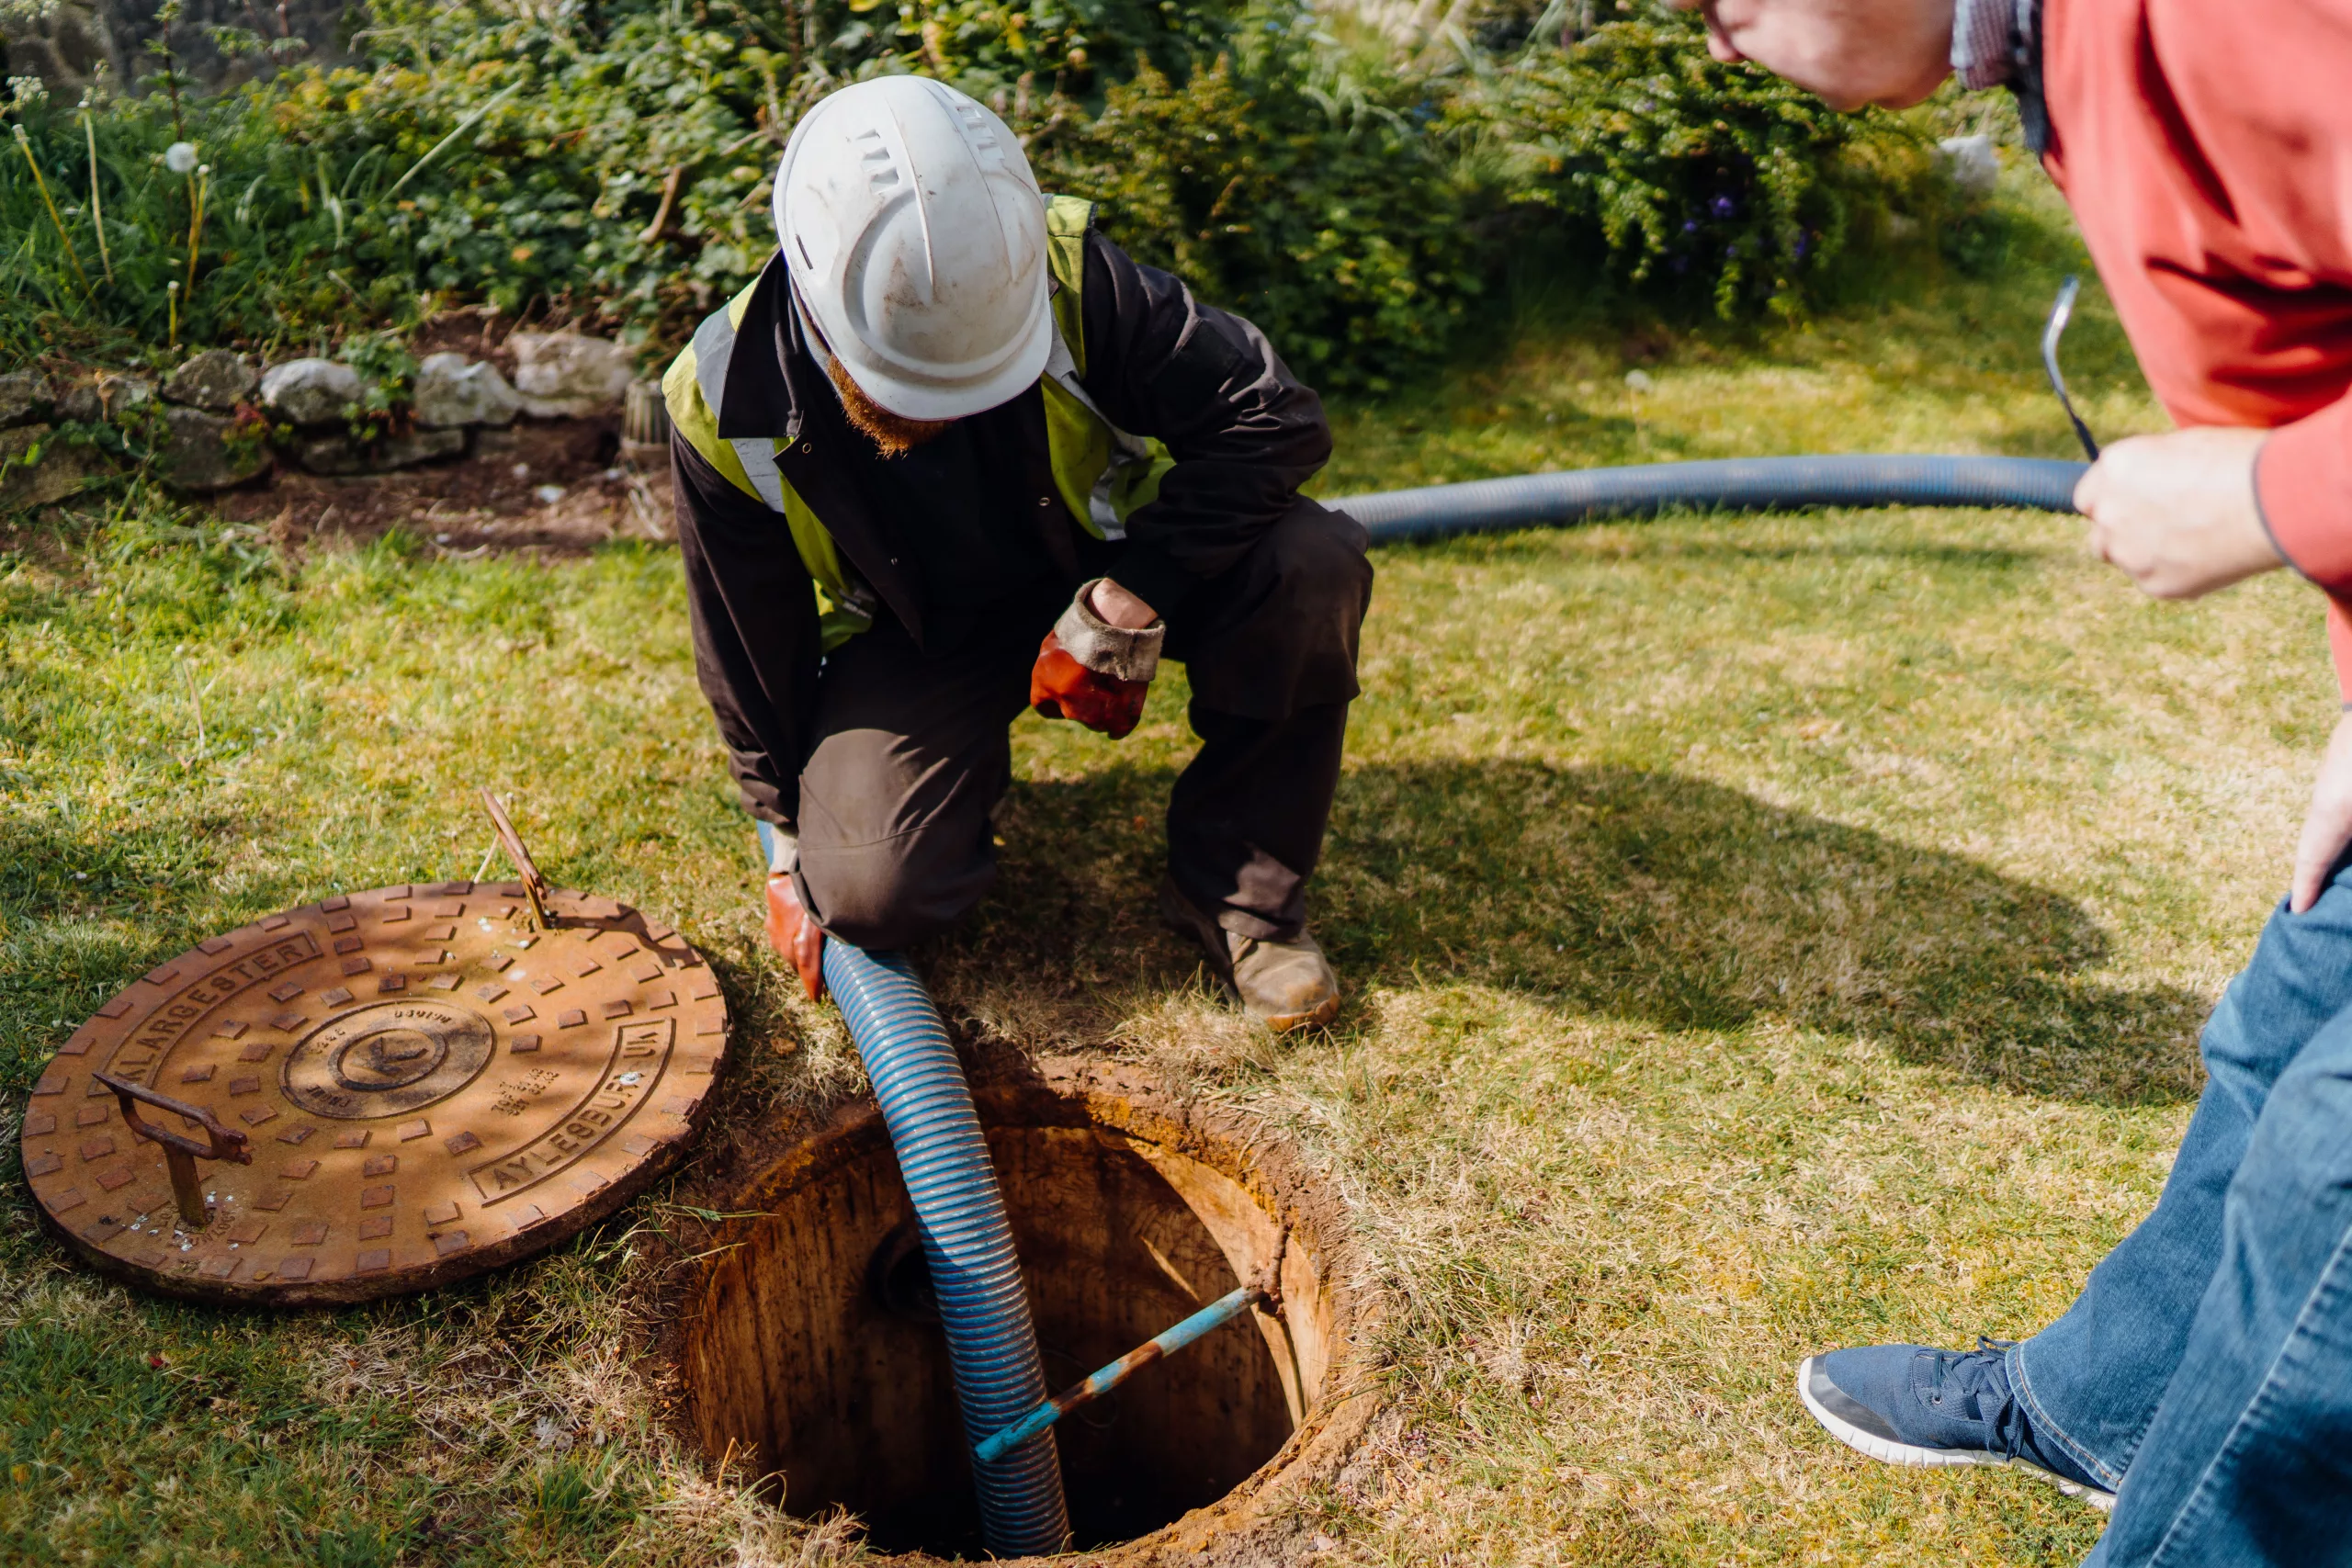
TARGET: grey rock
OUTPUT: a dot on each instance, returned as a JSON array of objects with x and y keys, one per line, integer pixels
[
  {"x": 311, "y": 392},
  {"x": 61, "y": 471},
  {"x": 25, "y": 395},
  {"x": 569, "y": 376},
  {"x": 215, "y": 380},
  {"x": 341, "y": 454},
  {"x": 1969, "y": 163},
  {"x": 450, "y": 392},
  {"x": 105, "y": 396},
  {"x": 207, "y": 452}
]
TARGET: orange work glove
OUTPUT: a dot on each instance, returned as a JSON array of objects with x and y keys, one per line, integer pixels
[
  {"x": 1060, "y": 687},
  {"x": 792, "y": 933},
  {"x": 1093, "y": 671}
]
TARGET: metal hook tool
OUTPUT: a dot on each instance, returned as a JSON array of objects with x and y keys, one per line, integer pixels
[
  {"x": 534, "y": 886},
  {"x": 2060, "y": 314}
]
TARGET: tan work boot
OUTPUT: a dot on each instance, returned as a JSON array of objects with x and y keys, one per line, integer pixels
[{"x": 1287, "y": 985}]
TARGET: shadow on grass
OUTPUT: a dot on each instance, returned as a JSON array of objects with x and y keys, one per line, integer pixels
[
  {"x": 1614, "y": 891},
  {"x": 1636, "y": 895},
  {"x": 1968, "y": 557},
  {"x": 1533, "y": 544}
]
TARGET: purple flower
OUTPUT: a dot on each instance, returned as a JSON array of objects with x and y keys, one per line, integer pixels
[
  {"x": 1722, "y": 206},
  {"x": 1690, "y": 225}
]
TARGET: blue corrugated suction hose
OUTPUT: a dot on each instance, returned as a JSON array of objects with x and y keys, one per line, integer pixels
[
  {"x": 991, "y": 1343},
  {"x": 1738, "y": 484}
]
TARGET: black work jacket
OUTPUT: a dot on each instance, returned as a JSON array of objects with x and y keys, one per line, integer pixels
[{"x": 1243, "y": 431}]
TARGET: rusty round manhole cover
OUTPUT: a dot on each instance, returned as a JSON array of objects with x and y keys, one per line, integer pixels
[{"x": 428, "y": 1084}]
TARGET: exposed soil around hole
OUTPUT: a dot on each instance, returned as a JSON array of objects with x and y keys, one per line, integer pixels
[
  {"x": 806, "y": 1351},
  {"x": 488, "y": 500}
]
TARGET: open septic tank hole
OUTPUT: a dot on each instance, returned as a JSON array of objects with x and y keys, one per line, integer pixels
[{"x": 809, "y": 1343}]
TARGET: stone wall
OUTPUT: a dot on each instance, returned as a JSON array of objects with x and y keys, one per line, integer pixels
[{"x": 218, "y": 420}]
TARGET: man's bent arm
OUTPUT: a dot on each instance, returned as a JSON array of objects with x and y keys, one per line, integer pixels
[
  {"x": 1243, "y": 431},
  {"x": 755, "y": 632}
]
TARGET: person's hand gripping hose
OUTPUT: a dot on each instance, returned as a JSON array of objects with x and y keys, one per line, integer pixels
[{"x": 1093, "y": 667}]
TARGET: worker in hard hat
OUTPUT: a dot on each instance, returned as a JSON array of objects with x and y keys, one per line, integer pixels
[{"x": 953, "y": 454}]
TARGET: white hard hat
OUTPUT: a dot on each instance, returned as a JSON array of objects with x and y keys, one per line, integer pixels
[{"x": 915, "y": 235}]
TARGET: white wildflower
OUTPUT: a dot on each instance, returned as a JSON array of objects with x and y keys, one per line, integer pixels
[{"x": 180, "y": 157}]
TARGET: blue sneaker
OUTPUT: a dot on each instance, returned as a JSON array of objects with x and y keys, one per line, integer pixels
[{"x": 1912, "y": 1404}]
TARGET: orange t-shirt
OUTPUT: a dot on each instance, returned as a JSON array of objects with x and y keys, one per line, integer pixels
[{"x": 2206, "y": 149}]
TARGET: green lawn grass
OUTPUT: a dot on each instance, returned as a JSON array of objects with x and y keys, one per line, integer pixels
[{"x": 1762, "y": 935}]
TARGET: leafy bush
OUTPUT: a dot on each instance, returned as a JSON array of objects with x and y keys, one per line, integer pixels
[
  {"x": 1706, "y": 178},
  {"x": 609, "y": 160},
  {"x": 1323, "y": 208}
]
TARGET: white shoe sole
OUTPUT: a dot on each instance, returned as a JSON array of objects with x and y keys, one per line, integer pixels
[{"x": 1886, "y": 1452}]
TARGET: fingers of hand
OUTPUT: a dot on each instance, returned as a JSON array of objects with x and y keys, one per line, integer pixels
[
  {"x": 2314, "y": 858},
  {"x": 1055, "y": 673},
  {"x": 2327, "y": 825},
  {"x": 2091, "y": 489},
  {"x": 1060, "y": 687},
  {"x": 2178, "y": 512},
  {"x": 2096, "y": 540},
  {"x": 1105, "y": 704}
]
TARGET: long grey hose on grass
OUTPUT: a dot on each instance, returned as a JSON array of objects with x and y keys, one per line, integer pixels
[{"x": 1736, "y": 484}]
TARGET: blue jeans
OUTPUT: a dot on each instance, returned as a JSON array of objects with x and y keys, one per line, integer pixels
[{"x": 2207, "y": 1366}]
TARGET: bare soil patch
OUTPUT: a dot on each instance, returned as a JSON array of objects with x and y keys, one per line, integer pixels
[{"x": 560, "y": 486}]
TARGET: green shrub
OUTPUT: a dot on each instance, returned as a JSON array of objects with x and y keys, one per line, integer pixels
[
  {"x": 1323, "y": 208},
  {"x": 1717, "y": 181},
  {"x": 609, "y": 161}
]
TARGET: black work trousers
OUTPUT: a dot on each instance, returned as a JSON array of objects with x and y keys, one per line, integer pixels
[{"x": 912, "y": 751}]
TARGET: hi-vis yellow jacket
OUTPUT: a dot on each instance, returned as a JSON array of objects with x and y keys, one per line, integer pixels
[{"x": 1103, "y": 473}]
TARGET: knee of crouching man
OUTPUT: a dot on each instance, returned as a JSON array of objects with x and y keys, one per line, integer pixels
[
  {"x": 1324, "y": 559},
  {"x": 874, "y": 897}
]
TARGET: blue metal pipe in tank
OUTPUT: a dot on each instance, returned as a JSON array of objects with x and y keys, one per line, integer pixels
[{"x": 1217, "y": 1313}]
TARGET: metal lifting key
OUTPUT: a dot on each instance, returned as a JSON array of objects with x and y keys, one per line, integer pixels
[
  {"x": 535, "y": 885},
  {"x": 180, "y": 1154}
]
